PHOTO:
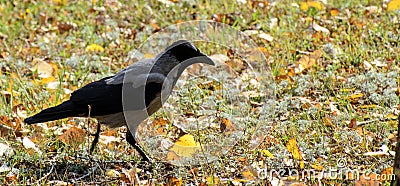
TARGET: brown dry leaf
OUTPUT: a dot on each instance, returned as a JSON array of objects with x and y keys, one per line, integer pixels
[
  {"x": 129, "y": 176},
  {"x": 307, "y": 62},
  {"x": 6, "y": 95},
  {"x": 185, "y": 146},
  {"x": 328, "y": 122},
  {"x": 248, "y": 175},
  {"x": 284, "y": 77},
  {"x": 334, "y": 12},
  {"x": 11, "y": 179},
  {"x": 160, "y": 125},
  {"x": 393, "y": 5},
  {"x": 227, "y": 126},
  {"x": 174, "y": 181},
  {"x": 110, "y": 132},
  {"x": 291, "y": 72},
  {"x": 386, "y": 174},
  {"x": 172, "y": 156},
  {"x": 44, "y": 69},
  {"x": 224, "y": 18},
  {"x": 370, "y": 180},
  {"x": 353, "y": 123},
  {"x": 73, "y": 136},
  {"x": 210, "y": 85},
  {"x": 292, "y": 147},
  {"x": 64, "y": 27}
]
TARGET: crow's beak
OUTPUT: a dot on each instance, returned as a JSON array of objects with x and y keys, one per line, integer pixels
[{"x": 205, "y": 59}]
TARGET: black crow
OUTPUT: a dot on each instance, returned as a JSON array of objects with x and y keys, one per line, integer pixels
[{"x": 144, "y": 85}]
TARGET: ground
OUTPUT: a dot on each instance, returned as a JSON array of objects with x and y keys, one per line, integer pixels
[{"x": 324, "y": 97}]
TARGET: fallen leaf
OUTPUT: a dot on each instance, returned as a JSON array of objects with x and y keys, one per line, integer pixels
[
  {"x": 248, "y": 175},
  {"x": 172, "y": 156},
  {"x": 369, "y": 179},
  {"x": 292, "y": 147},
  {"x": 307, "y": 62},
  {"x": 212, "y": 180},
  {"x": 314, "y": 4},
  {"x": 386, "y": 174},
  {"x": 44, "y": 69},
  {"x": 94, "y": 48},
  {"x": 227, "y": 126},
  {"x": 353, "y": 123},
  {"x": 129, "y": 176},
  {"x": 319, "y": 28},
  {"x": 393, "y": 5},
  {"x": 267, "y": 153},
  {"x": 317, "y": 166},
  {"x": 5, "y": 150},
  {"x": 328, "y": 122},
  {"x": 354, "y": 97},
  {"x": 334, "y": 12},
  {"x": 185, "y": 146},
  {"x": 73, "y": 136},
  {"x": 175, "y": 181},
  {"x": 28, "y": 144}
]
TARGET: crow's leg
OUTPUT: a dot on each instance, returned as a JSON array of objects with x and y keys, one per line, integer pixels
[
  {"x": 96, "y": 138},
  {"x": 131, "y": 140}
]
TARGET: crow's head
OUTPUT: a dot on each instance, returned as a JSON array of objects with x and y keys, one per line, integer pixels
[
  {"x": 180, "y": 54},
  {"x": 184, "y": 50}
]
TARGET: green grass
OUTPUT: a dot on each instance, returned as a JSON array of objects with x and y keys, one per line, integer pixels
[{"x": 31, "y": 31}]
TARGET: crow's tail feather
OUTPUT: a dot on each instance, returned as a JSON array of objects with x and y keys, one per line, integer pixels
[{"x": 66, "y": 109}]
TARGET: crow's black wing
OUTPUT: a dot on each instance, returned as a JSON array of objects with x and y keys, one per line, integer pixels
[{"x": 103, "y": 98}]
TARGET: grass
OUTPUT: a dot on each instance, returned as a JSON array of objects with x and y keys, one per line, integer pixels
[{"x": 315, "y": 107}]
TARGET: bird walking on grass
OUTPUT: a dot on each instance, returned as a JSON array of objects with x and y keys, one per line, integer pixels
[{"x": 131, "y": 95}]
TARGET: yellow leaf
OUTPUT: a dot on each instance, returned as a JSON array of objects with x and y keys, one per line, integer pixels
[
  {"x": 391, "y": 116},
  {"x": 267, "y": 153},
  {"x": 148, "y": 55},
  {"x": 248, "y": 175},
  {"x": 48, "y": 80},
  {"x": 60, "y": 2},
  {"x": 393, "y": 5},
  {"x": 1, "y": 9},
  {"x": 347, "y": 89},
  {"x": 94, "y": 48},
  {"x": 355, "y": 97},
  {"x": 334, "y": 12},
  {"x": 292, "y": 147},
  {"x": 43, "y": 69},
  {"x": 301, "y": 164},
  {"x": 303, "y": 6},
  {"x": 369, "y": 106},
  {"x": 212, "y": 180},
  {"x": 185, "y": 146},
  {"x": 314, "y": 4},
  {"x": 317, "y": 166}
]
